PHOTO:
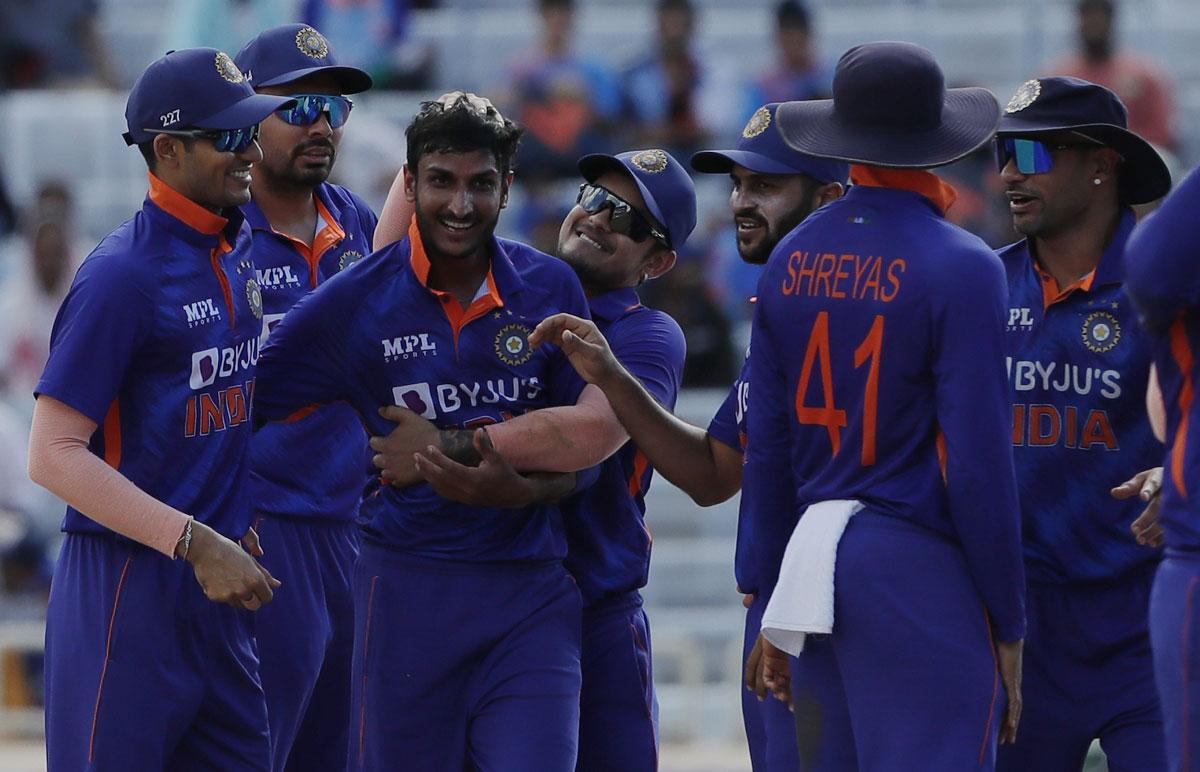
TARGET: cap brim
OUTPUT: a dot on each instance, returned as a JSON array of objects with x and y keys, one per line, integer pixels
[
  {"x": 245, "y": 112},
  {"x": 593, "y": 165},
  {"x": 722, "y": 161},
  {"x": 350, "y": 80},
  {"x": 1144, "y": 176},
  {"x": 969, "y": 117}
]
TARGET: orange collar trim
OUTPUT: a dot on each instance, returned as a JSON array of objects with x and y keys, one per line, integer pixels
[
  {"x": 184, "y": 209},
  {"x": 929, "y": 185},
  {"x": 421, "y": 266},
  {"x": 1052, "y": 293}
]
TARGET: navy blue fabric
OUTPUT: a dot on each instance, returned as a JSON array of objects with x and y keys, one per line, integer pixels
[
  {"x": 669, "y": 192},
  {"x": 761, "y": 148},
  {"x": 292, "y": 51},
  {"x": 770, "y": 726},
  {"x": 1175, "y": 635}
]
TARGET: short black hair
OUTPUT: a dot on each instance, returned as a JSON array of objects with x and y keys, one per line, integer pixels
[
  {"x": 1107, "y": 6},
  {"x": 147, "y": 150},
  {"x": 566, "y": 5},
  {"x": 793, "y": 15},
  {"x": 460, "y": 128}
]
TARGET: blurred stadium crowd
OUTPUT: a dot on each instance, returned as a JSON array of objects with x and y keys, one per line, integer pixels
[{"x": 581, "y": 75}]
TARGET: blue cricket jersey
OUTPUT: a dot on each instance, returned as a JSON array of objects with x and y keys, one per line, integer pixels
[
  {"x": 608, "y": 543},
  {"x": 316, "y": 466},
  {"x": 1077, "y": 365},
  {"x": 379, "y": 335},
  {"x": 728, "y": 426},
  {"x": 878, "y": 371},
  {"x": 157, "y": 342},
  {"x": 1162, "y": 262}
]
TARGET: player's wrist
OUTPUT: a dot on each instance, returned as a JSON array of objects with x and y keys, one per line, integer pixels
[
  {"x": 202, "y": 543},
  {"x": 459, "y": 445}
]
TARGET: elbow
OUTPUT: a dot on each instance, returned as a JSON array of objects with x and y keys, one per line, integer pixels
[
  {"x": 713, "y": 492},
  {"x": 39, "y": 466}
]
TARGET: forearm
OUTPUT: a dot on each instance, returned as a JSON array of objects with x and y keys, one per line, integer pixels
[
  {"x": 59, "y": 460},
  {"x": 684, "y": 454},
  {"x": 561, "y": 439},
  {"x": 395, "y": 216}
]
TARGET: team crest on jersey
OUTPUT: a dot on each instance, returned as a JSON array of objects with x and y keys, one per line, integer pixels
[
  {"x": 349, "y": 258},
  {"x": 758, "y": 123},
  {"x": 227, "y": 69},
  {"x": 512, "y": 344},
  {"x": 1026, "y": 95},
  {"x": 653, "y": 161},
  {"x": 254, "y": 298},
  {"x": 312, "y": 43},
  {"x": 1101, "y": 332}
]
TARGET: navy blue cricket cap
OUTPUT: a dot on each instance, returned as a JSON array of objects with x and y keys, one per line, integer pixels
[
  {"x": 765, "y": 152},
  {"x": 666, "y": 186},
  {"x": 293, "y": 51},
  {"x": 194, "y": 88},
  {"x": 1046, "y": 105}
]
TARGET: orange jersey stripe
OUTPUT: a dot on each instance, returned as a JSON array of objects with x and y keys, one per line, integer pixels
[
  {"x": 112, "y": 435},
  {"x": 1181, "y": 350}
]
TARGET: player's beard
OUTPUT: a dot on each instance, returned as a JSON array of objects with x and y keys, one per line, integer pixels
[
  {"x": 757, "y": 254},
  {"x": 294, "y": 169}
]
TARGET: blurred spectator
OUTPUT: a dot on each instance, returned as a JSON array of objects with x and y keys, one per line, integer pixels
[
  {"x": 44, "y": 257},
  {"x": 567, "y": 102},
  {"x": 1140, "y": 83},
  {"x": 53, "y": 43},
  {"x": 661, "y": 92},
  {"x": 224, "y": 24},
  {"x": 373, "y": 35},
  {"x": 799, "y": 73}
]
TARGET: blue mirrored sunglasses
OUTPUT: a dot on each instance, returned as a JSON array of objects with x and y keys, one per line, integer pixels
[
  {"x": 224, "y": 140},
  {"x": 306, "y": 109},
  {"x": 1031, "y": 156}
]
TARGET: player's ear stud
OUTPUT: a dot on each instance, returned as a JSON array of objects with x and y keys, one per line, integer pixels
[{"x": 1096, "y": 180}]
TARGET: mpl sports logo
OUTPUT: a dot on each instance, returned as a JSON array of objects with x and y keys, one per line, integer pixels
[
  {"x": 1020, "y": 319},
  {"x": 276, "y": 278},
  {"x": 408, "y": 347},
  {"x": 201, "y": 312},
  {"x": 213, "y": 363}
]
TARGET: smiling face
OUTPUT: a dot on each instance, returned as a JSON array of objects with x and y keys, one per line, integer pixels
[
  {"x": 299, "y": 155},
  {"x": 603, "y": 259},
  {"x": 766, "y": 207},
  {"x": 458, "y": 198},
  {"x": 213, "y": 179},
  {"x": 1048, "y": 204}
]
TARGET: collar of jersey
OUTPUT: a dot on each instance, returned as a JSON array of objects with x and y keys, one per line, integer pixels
[
  {"x": 613, "y": 305},
  {"x": 1110, "y": 269},
  {"x": 258, "y": 221},
  {"x": 187, "y": 219},
  {"x": 939, "y": 192},
  {"x": 502, "y": 279}
]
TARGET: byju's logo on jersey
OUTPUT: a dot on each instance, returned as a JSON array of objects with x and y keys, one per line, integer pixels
[
  {"x": 416, "y": 397},
  {"x": 1101, "y": 332},
  {"x": 1020, "y": 319},
  {"x": 201, "y": 312},
  {"x": 408, "y": 347},
  {"x": 211, "y": 363}
]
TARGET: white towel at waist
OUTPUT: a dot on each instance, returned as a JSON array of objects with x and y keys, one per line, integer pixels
[{"x": 802, "y": 602}]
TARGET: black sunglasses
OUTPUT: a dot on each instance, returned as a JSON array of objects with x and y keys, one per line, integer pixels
[
  {"x": 624, "y": 219},
  {"x": 224, "y": 140}
]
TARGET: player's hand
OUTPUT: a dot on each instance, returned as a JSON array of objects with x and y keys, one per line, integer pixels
[
  {"x": 747, "y": 599},
  {"x": 494, "y": 483},
  {"x": 394, "y": 453},
  {"x": 481, "y": 105},
  {"x": 776, "y": 672},
  {"x": 226, "y": 573},
  {"x": 1146, "y": 485},
  {"x": 583, "y": 344},
  {"x": 1009, "y": 656},
  {"x": 250, "y": 543}
]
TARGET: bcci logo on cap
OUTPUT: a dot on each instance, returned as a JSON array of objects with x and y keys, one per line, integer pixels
[
  {"x": 512, "y": 344},
  {"x": 758, "y": 123},
  {"x": 653, "y": 161},
  {"x": 312, "y": 43},
  {"x": 227, "y": 69},
  {"x": 1026, "y": 95},
  {"x": 254, "y": 298},
  {"x": 1101, "y": 332},
  {"x": 416, "y": 397}
]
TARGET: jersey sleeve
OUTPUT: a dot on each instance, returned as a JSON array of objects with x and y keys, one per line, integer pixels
[
  {"x": 1162, "y": 258},
  {"x": 974, "y": 412},
  {"x": 565, "y": 383},
  {"x": 305, "y": 361},
  {"x": 366, "y": 216},
  {"x": 768, "y": 483},
  {"x": 103, "y": 322},
  {"x": 724, "y": 426},
  {"x": 653, "y": 351}
]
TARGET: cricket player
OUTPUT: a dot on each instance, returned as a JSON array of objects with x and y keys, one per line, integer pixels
[
  {"x": 773, "y": 189},
  {"x": 881, "y": 423},
  {"x": 1078, "y": 365},
  {"x": 467, "y": 625},
  {"x": 142, "y": 425},
  {"x": 306, "y": 477},
  {"x": 1161, "y": 261},
  {"x": 633, "y": 212}
]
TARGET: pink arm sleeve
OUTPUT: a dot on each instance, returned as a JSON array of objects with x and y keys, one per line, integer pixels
[
  {"x": 59, "y": 460},
  {"x": 395, "y": 217},
  {"x": 561, "y": 439}
]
